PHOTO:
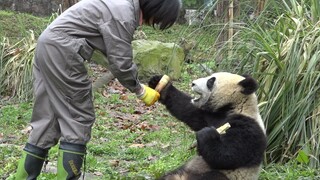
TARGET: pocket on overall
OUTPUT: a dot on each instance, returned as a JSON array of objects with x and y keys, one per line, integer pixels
[{"x": 83, "y": 52}]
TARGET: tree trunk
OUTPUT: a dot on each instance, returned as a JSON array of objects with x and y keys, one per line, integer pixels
[
  {"x": 260, "y": 7},
  {"x": 222, "y": 18},
  {"x": 227, "y": 13},
  {"x": 227, "y": 10}
]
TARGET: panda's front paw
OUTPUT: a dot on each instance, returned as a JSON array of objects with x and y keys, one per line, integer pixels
[
  {"x": 154, "y": 81},
  {"x": 207, "y": 133}
]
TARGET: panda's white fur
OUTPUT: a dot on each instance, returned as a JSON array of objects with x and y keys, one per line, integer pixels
[{"x": 220, "y": 98}]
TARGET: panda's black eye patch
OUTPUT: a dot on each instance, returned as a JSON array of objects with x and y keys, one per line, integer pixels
[{"x": 210, "y": 83}]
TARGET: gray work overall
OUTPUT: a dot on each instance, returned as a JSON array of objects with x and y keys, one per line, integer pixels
[{"x": 63, "y": 107}]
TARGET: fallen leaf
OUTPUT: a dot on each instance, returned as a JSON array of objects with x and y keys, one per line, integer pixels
[
  {"x": 152, "y": 158},
  {"x": 152, "y": 144},
  {"x": 104, "y": 139},
  {"x": 97, "y": 173},
  {"x": 124, "y": 97},
  {"x": 26, "y": 130},
  {"x": 172, "y": 124},
  {"x": 105, "y": 93},
  {"x": 165, "y": 146},
  {"x": 114, "y": 163},
  {"x": 136, "y": 145}
]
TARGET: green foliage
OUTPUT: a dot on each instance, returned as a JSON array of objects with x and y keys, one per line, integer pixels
[
  {"x": 16, "y": 67},
  {"x": 302, "y": 157},
  {"x": 16, "y": 53},
  {"x": 19, "y": 33},
  {"x": 13, "y": 119},
  {"x": 291, "y": 88},
  {"x": 193, "y": 4},
  {"x": 17, "y": 25},
  {"x": 289, "y": 171}
]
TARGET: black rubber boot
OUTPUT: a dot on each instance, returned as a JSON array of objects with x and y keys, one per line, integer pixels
[
  {"x": 31, "y": 163},
  {"x": 70, "y": 160}
]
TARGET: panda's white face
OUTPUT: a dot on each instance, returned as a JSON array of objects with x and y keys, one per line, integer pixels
[
  {"x": 202, "y": 90},
  {"x": 220, "y": 87}
]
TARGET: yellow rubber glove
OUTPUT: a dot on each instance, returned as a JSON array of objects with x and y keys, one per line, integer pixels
[{"x": 149, "y": 96}]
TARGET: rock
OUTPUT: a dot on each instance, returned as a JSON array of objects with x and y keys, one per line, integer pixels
[{"x": 154, "y": 57}]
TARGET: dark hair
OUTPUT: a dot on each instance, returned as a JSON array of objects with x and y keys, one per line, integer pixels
[{"x": 163, "y": 12}]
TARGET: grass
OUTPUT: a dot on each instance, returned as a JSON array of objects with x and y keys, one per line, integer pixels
[
  {"x": 16, "y": 25},
  {"x": 140, "y": 143}
]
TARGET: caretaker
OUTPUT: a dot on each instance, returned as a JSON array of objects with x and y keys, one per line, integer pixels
[{"x": 63, "y": 108}]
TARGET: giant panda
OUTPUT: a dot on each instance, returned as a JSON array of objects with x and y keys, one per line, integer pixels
[{"x": 221, "y": 97}]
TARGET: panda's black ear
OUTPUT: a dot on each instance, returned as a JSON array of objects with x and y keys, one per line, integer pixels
[
  {"x": 210, "y": 83},
  {"x": 249, "y": 85}
]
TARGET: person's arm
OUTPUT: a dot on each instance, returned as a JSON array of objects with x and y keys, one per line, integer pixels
[{"x": 117, "y": 36}]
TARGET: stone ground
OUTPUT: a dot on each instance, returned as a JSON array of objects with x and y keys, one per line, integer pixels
[{"x": 51, "y": 168}]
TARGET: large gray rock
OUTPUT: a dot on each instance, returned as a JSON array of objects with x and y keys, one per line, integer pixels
[{"x": 154, "y": 57}]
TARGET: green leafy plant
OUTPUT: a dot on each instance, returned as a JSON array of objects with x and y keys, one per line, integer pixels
[
  {"x": 16, "y": 67},
  {"x": 302, "y": 157}
]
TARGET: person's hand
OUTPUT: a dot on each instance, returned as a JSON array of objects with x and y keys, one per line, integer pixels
[{"x": 149, "y": 96}]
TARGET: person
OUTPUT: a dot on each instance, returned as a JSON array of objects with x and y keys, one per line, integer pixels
[{"x": 63, "y": 109}]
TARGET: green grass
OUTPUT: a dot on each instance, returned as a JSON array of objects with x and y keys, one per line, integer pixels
[
  {"x": 289, "y": 171},
  {"x": 164, "y": 141},
  {"x": 17, "y": 25},
  {"x": 115, "y": 132}
]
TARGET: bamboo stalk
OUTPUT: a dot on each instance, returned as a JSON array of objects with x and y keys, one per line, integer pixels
[
  {"x": 222, "y": 129},
  {"x": 231, "y": 18},
  {"x": 162, "y": 83}
]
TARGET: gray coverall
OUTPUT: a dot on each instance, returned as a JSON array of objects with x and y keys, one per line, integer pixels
[{"x": 63, "y": 107}]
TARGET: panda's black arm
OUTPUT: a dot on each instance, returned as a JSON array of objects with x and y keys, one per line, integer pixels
[
  {"x": 179, "y": 105},
  {"x": 242, "y": 145}
]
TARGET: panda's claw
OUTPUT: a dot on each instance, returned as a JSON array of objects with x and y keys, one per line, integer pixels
[{"x": 154, "y": 81}]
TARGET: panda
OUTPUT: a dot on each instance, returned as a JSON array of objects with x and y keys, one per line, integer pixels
[{"x": 220, "y": 98}]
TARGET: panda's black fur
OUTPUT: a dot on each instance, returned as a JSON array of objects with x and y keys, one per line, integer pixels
[{"x": 226, "y": 97}]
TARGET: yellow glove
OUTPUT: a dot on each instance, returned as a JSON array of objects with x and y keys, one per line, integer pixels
[{"x": 149, "y": 96}]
